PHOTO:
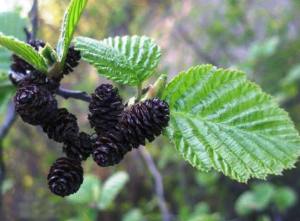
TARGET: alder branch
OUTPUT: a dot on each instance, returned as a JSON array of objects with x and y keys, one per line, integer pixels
[
  {"x": 34, "y": 19},
  {"x": 159, "y": 188},
  {"x": 79, "y": 95},
  {"x": 8, "y": 121}
]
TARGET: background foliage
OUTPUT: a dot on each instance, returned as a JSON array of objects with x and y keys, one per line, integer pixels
[{"x": 259, "y": 37}]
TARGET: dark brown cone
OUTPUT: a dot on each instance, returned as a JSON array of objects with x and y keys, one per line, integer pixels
[
  {"x": 40, "y": 79},
  {"x": 63, "y": 126},
  {"x": 105, "y": 108},
  {"x": 65, "y": 176},
  {"x": 138, "y": 123},
  {"x": 34, "y": 104},
  {"x": 80, "y": 148},
  {"x": 145, "y": 120},
  {"x": 110, "y": 149},
  {"x": 72, "y": 60}
]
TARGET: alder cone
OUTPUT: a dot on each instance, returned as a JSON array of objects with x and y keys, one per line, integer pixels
[
  {"x": 142, "y": 121},
  {"x": 80, "y": 148},
  {"x": 105, "y": 108},
  {"x": 39, "y": 79},
  {"x": 110, "y": 148},
  {"x": 145, "y": 120},
  {"x": 63, "y": 126},
  {"x": 72, "y": 60},
  {"x": 34, "y": 104},
  {"x": 65, "y": 176}
]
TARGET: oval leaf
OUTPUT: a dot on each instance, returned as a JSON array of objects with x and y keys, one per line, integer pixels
[
  {"x": 111, "y": 189},
  {"x": 221, "y": 120},
  {"x": 25, "y": 51},
  {"x": 125, "y": 60}
]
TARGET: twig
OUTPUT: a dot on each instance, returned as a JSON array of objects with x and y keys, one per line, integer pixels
[
  {"x": 80, "y": 95},
  {"x": 196, "y": 47},
  {"x": 34, "y": 18},
  {"x": 159, "y": 188},
  {"x": 8, "y": 121}
]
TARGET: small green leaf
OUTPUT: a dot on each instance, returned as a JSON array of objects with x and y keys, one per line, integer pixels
[
  {"x": 125, "y": 60},
  {"x": 25, "y": 51},
  {"x": 221, "y": 120},
  {"x": 111, "y": 189},
  {"x": 70, "y": 21},
  {"x": 89, "y": 191},
  {"x": 285, "y": 198},
  {"x": 255, "y": 200},
  {"x": 7, "y": 185},
  {"x": 134, "y": 215},
  {"x": 49, "y": 54}
]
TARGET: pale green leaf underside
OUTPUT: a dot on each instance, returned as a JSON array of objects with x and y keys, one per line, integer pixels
[
  {"x": 24, "y": 51},
  {"x": 221, "y": 120},
  {"x": 70, "y": 21},
  {"x": 111, "y": 189},
  {"x": 125, "y": 60}
]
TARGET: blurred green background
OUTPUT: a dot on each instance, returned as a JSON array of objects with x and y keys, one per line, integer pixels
[{"x": 260, "y": 37}]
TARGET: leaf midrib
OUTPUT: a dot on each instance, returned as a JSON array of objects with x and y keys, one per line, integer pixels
[{"x": 220, "y": 124}]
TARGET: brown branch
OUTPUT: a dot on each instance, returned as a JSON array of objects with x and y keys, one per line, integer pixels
[
  {"x": 159, "y": 188},
  {"x": 8, "y": 121}
]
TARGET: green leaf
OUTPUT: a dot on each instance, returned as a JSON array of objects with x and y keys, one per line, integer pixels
[
  {"x": 85, "y": 214},
  {"x": 285, "y": 198},
  {"x": 111, "y": 189},
  {"x": 256, "y": 200},
  {"x": 49, "y": 54},
  {"x": 134, "y": 215},
  {"x": 10, "y": 24},
  {"x": 7, "y": 185},
  {"x": 89, "y": 191},
  {"x": 70, "y": 21},
  {"x": 221, "y": 120},
  {"x": 25, "y": 51},
  {"x": 125, "y": 60}
]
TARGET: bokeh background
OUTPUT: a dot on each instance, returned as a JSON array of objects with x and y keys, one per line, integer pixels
[{"x": 260, "y": 37}]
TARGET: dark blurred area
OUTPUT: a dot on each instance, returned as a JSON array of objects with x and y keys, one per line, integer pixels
[{"x": 259, "y": 37}]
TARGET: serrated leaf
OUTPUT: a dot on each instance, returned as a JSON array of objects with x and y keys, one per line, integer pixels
[
  {"x": 125, "y": 60},
  {"x": 10, "y": 24},
  {"x": 25, "y": 51},
  {"x": 111, "y": 189},
  {"x": 221, "y": 120},
  {"x": 70, "y": 21}
]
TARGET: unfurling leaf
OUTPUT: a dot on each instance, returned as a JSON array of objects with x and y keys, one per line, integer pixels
[{"x": 70, "y": 21}]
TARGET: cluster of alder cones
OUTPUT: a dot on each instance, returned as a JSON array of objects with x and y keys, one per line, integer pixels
[{"x": 119, "y": 128}]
